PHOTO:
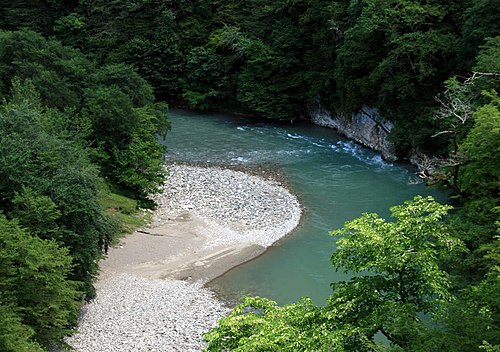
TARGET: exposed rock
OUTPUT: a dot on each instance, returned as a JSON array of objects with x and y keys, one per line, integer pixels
[{"x": 366, "y": 128}]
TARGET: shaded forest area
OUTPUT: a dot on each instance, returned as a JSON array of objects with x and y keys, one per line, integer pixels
[
  {"x": 273, "y": 58},
  {"x": 78, "y": 151},
  {"x": 79, "y": 124}
]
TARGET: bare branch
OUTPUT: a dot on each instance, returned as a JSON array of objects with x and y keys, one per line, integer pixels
[
  {"x": 439, "y": 133},
  {"x": 477, "y": 75}
]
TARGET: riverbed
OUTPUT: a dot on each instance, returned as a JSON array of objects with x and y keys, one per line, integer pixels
[
  {"x": 150, "y": 294},
  {"x": 211, "y": 219}
]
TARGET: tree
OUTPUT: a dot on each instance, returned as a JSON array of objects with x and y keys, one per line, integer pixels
[
  {"x": 475, "y": 222},
  {"x": 36, "y": 212},
  {"x": 50, "y": 185},
  {"x": 59, "y": 73},
  {"x": 259, "y": 324},
  {"x": 453, "y": 118},
  {"x": 14, "y": 335},
  {"x": 37, "y": 15},
  {"x": 272, "y": 82},
  {"x": 399, "y": 279},
  {"x": 36, "y": 295},
  {"x": 395, "y": 55},
  {"x": 469, "y": 119},
  {"x": 473, "y": 319},
  {"x": 125, "y": 138},
  {"x": 140, "y": 166},
  {"x": 105, "y": 109},
  {"x": 403, "y": 277},
  {"x": 208, "y": 82},
  {"x": 481, "y": 175},
  {"x": 479, "y": 22}
]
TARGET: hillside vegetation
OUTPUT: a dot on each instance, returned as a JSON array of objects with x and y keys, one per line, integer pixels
[
  {"x": 71, "y": 132},
  {"x": 79, "y": 123}
]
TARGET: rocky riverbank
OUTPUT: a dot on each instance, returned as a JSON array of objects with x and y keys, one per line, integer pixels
[
  {"x": 366, "y": 127},
  {"x": 242, "y": 208},
  {"x": 208, "y": 221}
]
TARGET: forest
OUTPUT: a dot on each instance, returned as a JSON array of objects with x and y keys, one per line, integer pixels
[{"x": 85, "y": 88}]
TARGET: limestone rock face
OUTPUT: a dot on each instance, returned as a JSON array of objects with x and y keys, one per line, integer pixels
[{"x": 365, "y": 127}]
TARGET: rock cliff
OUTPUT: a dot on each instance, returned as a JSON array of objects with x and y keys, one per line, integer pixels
[{"x": 365, "y": 127}]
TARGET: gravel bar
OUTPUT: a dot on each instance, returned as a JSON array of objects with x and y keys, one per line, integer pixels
[
  {"x": 134, "y": 313},
  {"x": 242, "y": 208}
]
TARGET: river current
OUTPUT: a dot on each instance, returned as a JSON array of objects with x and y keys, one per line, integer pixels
[{"x": 335, "y": 180}]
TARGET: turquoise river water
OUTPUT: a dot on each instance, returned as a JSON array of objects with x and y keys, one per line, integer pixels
[{"x": 335, "y": 180}]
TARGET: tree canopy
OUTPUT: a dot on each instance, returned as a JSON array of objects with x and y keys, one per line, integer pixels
[
  {"x": 401, "y": 292},
  {"x": 37, "y": 301},
  {"x": 403, "y": 278},
  {"x": 71, "y": 130}
]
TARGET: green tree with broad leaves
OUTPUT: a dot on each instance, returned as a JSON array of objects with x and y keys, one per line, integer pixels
[
  {"x": 259, "y": 324},
  {"x": 481, "y": 174},
  {"x": 476, "y": 220},
  {"x": 401, "y": 280},
  {"x": 49, "y": 185}
]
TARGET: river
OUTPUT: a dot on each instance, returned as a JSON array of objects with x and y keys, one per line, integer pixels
[{"x": 335, "y": 179}]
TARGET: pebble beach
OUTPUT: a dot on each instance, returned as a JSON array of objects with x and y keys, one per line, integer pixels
[{"x": 151, "y": 294}]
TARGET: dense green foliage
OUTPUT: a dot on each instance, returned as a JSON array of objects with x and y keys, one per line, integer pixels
[
  {"x": 109, "y": 108},
  {"x": 259, "y": 324},
  {"x": 274, "y": 58},
  {"x": 402, "y": 280},
  {"x": 78, "y": 117},
  {"x": 70, "y": 130},
  {"x": 49, "y": 185},
  {"x": 36, "y": 297}
]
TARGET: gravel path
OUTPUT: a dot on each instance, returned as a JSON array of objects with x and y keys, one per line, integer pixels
[{"x": 134, "y": 313}]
